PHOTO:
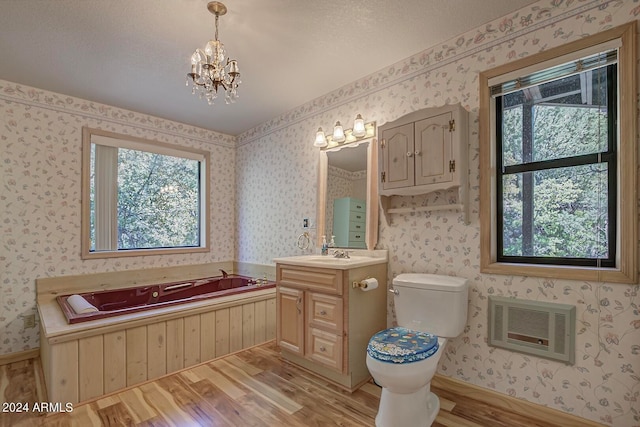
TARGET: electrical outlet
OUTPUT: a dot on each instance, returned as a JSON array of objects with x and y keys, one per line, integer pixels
[
  {"x": 305, "y": 223},
  {"x": 29, "y": 321}
]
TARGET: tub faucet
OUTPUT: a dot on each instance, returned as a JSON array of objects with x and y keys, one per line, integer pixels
[
  {"x": 341, "y": 254},
  {"x": 224, "y": 274}
]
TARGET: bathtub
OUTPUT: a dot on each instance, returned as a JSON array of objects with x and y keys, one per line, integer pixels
[{"x": 130, "y": 300}]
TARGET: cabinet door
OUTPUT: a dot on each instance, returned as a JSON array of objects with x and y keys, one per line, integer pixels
[
  {"x": 433, "y": 150},
  {"x": 290, "y": 314},
  {"x": 397, "y": 157}
]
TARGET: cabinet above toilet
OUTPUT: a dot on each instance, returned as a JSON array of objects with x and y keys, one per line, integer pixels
[{"x": 423, "y": 152}]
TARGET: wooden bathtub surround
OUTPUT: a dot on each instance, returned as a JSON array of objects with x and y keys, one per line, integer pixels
[
  {"x": 85, "y": 360},
  {"x": 324, "y": 324}
]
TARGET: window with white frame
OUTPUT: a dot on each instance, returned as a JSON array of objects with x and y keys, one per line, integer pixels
[
  {"x": 558, "y": 162},
  {"x": 142, "y": 196}
]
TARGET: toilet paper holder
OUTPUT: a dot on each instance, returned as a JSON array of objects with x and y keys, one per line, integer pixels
[{"x": 362, "y": 284}]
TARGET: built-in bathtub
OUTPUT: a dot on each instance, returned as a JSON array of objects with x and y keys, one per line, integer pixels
[
  {"x": 130, "y": 300},
  {"x": 85, "y": 360}
]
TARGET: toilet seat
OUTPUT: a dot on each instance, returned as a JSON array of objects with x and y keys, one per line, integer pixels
[{"x": 402, "y": 345}]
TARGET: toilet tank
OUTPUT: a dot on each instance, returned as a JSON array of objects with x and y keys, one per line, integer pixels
[{"x": 431, "y": 303}]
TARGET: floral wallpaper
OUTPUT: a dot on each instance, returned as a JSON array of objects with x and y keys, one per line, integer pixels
[
  {"x": 263, "y": 183},
  {"x": 40, "y": 163},
  {"x": 604, "y": 383}
]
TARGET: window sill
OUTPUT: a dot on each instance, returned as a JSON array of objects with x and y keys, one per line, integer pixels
[
  {"x": 142, "y": 252},
  {"x": 613, "y": 275}
]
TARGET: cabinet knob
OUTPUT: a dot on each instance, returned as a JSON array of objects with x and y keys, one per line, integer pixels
[
  {"x": 322, "y": 349},
  {"x": 409, "y": 154},
  {"x": 323, "y": 312},
  {"x": 418, "y": 153}
]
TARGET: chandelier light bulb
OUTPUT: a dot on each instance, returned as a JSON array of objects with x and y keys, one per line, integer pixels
[{"x": 358, "y": 127}]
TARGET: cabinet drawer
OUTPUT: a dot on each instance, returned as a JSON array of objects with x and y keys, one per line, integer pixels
[
  {"x": 357, "y": 216},
  {"x": 356, "y": 244},
  {"x": 357, "y": 226},
  {"x": 324, "y": 311},
  {"x": 358, "y": 205},
  {"x": 356, "y": 236},
  {"x": 320, "y": 279},
  {"x": 325, "y": 348}
]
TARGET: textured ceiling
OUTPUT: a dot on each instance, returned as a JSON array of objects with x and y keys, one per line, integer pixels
[{"x": 134, "y": 54}]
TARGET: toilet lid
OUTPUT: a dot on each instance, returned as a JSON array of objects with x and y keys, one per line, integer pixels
[{"x": 402, "y": 345}]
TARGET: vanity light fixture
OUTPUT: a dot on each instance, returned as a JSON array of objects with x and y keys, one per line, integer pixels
[
  {"x": 208, "y": 69},
  {"x": 321, "y": 139},
  {"x": 338, "y": 133},
  {"x": 358, "y": 127},
  {"x": 340, "y": 136}
]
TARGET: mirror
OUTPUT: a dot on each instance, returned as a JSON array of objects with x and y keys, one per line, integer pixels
[{"x": 348, "y": 195}]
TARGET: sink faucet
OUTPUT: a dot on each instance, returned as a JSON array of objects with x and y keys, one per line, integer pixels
[{"x": 341, "y": 254}]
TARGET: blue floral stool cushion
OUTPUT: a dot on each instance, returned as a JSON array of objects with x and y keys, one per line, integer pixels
[{"x": 402, "y": 345}]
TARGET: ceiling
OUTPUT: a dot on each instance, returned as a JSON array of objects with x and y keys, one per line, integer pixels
[{"x": 135, "y": 54}]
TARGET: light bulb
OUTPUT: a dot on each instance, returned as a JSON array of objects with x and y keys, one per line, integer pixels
[
  {"x": 321, "y": 140},
  {"x": 358, "y": 127},
  {"x": 338, "y": 132}
]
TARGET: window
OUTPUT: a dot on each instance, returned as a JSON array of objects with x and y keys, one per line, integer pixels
[
  {"x": 142, "y": 197},
  {"x": 557, "y": 188},
  {"x": 556, "y": 169}
]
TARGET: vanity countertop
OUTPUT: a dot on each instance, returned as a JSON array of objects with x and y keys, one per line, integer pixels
[{"x": 356, "y": 259}]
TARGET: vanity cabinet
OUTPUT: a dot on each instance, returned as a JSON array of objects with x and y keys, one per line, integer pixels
[
  {"x": 349, "y": 225},
  {"x": 324, "y": 324}
]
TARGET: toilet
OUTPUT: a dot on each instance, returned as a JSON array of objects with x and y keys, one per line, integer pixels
[{"x": 403, "y": 360}]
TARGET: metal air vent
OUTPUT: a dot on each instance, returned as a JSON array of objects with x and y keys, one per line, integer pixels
[{"x": 540, "y": 328}]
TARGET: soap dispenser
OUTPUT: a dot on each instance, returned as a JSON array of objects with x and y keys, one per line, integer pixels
[
  {"x": 332, "y": 244},
  {"x": 325, "y": 248}
]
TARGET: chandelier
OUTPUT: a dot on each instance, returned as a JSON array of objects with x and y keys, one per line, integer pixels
[{"x": 209, "y": 71}]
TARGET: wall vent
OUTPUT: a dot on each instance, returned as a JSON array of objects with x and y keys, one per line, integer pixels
[{"x": 540, "y": 328}]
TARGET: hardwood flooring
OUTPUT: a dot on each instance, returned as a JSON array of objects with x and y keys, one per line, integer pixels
[{"x": 254, "y": 387}]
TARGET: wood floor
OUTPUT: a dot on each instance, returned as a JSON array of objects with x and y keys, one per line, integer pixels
[{"x": 255, "y": 387}]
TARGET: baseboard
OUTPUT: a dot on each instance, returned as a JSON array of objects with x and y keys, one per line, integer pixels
[
  {"x": 19, "y": 356},
  {"x": 540, "y": 412}
]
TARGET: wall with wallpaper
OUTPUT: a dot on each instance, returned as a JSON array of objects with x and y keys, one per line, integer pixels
[
  {"x": 276, "y": 176},
  {"x": 40, "y": 162}
]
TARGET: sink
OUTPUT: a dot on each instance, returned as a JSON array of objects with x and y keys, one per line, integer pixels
[{"x": 328, "y": 261}]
